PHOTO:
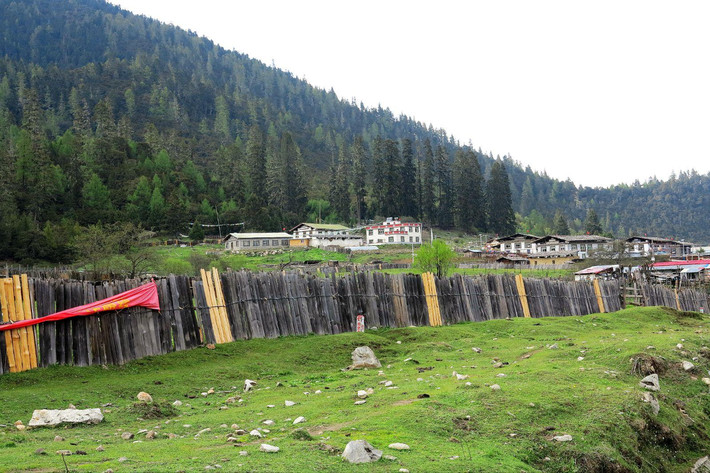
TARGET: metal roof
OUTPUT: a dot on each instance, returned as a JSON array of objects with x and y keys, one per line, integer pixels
[
  {"x": 598, "y": 269},
  {"x": 246, "y": 236},
  {"x": 322, "y": 226}
]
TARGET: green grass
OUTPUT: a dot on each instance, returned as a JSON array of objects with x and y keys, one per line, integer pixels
[{"x": 596, "y": 400}]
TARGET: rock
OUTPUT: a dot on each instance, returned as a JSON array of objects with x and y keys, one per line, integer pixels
[
  {"x": 299, "y": 419},
  {"x": 100, "y": 448},
  {"x": 270, "y": 406},
  {"x": 255, "y": 433},
  {"x": 63, "y": 452},
  {"x": 172, "y": 436},
  {"x": 204, "y": 431},
  {"x": 403, "y": 470},
  {"x": 391, "y": 458},
  {"x": 364, "y": 357},
  {"x": 580, "y": 358},
  {"x": 145, "y": 397},
  {"x": 243, "y": 453},
  {"x": 687, "y": 366},
  {"x": 553, "y": 346},
  {"x": 21, "y": 427},
  {"x": 360, "y": 402},
  {"x": 18, "y": 422},
  {"x": 679, "y": 346},
  {"x": 240, "y": 432},
  {"x": 500, "y": 375},
  {"x": 318, "y": 391},
  {"x": 80, "y": 452},
  {"x": 650, "y": 382},
  {"x": 123, "y": 459},
  {"x": 249, "y": 385},
  {"x": 177, "y": 403},
  {"x": 398, "y": 446},
  {"x": 40, "y": 451},
  {"x": 151, "y": 434},
  {"x": 562, "y": 438},
  {"x": 460, "y": 377},
  {"x": 651, "y": 399},
  {"x": 701, "y": 466},
  {"x": 476, "y": 349},
  {"x": 127, "y": 435},
  {"x": 265, "y": 447},
  {"x": 360, "y": 451},
  {"x": 58, "y": 438},
  {"x": 362, "y": 394},
  {"x": 268, "y": 422},
  {"x": 52, "y": 417},
  {"x": 706, "y": 381},
  {"x": 289, "y": 403},
  {"x": 495, "y": 387},
  {"x": 235, "y": 426},
  {"x": 388, "y": 384}
]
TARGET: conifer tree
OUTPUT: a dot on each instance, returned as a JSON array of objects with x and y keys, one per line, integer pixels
[
  {"x": 559, "y": 225},
  {"x": 469, "y": 212},
  {"x": 501, "y": 219},
  {"x": 408, "y": 181},
  {"x": 592, "y": 225},
  {"x": 359, "y": 176},
  {"x": 428, "y": 177},
  {"x": 445, "y": 191}
]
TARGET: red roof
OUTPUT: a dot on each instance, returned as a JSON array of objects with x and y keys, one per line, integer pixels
[{"x": 681, "y": 263}]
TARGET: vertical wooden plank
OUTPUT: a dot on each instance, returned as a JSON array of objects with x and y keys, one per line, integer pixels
[
  {"x": 27, "y": 307},
  {"x": 598, "y": 293},
  {"x": 7, "y": 309}
]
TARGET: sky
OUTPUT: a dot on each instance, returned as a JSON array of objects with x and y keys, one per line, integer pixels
[{"x": 600, "y": 92}]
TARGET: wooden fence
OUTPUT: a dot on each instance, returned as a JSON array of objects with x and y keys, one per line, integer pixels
[
  {"x": 219, "y": 308},
  {"x": 683, "y": 299}
]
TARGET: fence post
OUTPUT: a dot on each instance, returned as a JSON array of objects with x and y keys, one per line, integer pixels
[
  {"x": 677, "y": 299},
  {"x": 5, "y": 296},
  {"x": 598, "y": 292},
  {"x": 432, "y": 299},
  {"x": 522, "y": 294}
]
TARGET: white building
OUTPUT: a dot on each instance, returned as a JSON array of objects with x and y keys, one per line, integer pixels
[
  {"x": 256, "y": 241},
  {"x": 521, "y": 243},
  {"x": 394, "y": 232},
  {"x": 323, "y": 235},
  {"x": 581, "y": 245}
]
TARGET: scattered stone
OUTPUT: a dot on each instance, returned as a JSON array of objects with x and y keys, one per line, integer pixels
[
  {"x": 388, "y": 384},
  {"x": 318, "y": 391},
  {"x": 177, "y": 403},
  {"x": 123, "y": 459},
  {"x": 51, "y": 417},
  {"x": 243, "y": 453},
  {"x": 204, "y": 431},
  {"x": 249, "y": 385},
  {"x": 399, "y": 342},
  {"x": 497, "y": 364},
  {"x": 460, "y": 377},
  {"x": 364, "y": 357},
  {"x": 553, "y": 346},
  {"x": 687, "y": 366},
  {"x": 270, "y": 406},
  {"x": 299, "y": 420},
  {"x": 58, "y": 438},
  {"x": 172, "y": 436},
  {"x": 144, "y": 396},
  {"x": 240, "y": 432},
  {"x": 127, "y": 435},
  {"x": 679, "y": 346},
  {"x": 500, "y": 375},
  {"x": 265, "y": 447},
  {"x": 391, "y": 458},
  {"x": 360, "y": 402},
  {"x": 562, "y": 438},
  {"x": 706, "y": 381},
  {"x": 651, "y": 399},
  {"x": 235, "y": 426},
  {"x": 80, "y": 452},
  {"x": 255, "y": 433},
  {"x": 650, "y": 347},
  {"x": 100, "y": 448},
  {"x": 476, "y": 349},
  {"x": 362, "y": 394},
  {"x": 495, "y": 387},
  {"x": 151, "y": 434},
  {"x": 63, "y": 452},
  {"x": 360, "y": 451},
  {"x": 289, "y": 403},
  {"x": 403, "y": 470},
  {"x": 701, "y": 466},
  {"x": 468, "y": 383},
  {"x": 650, "y": 382},
  {"x": 398, "y": 446},
  {"x": 580, "y": 358},
  {"x": 455, "y": 457},
  {"x": 40, "y": 451},
  {"x": 268, "y": 422}
]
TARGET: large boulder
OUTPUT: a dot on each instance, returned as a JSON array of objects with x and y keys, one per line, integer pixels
[
  {"x": 701, "y": 466},
  {"x": 364, "y": 357},
  {"x": 360, "y": 451},
  {"x": 650, "y": 382},
  {"x": 50, "y": 417}
]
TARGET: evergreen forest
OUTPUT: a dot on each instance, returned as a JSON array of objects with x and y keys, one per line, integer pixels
[{"x": 106, "y": 116}]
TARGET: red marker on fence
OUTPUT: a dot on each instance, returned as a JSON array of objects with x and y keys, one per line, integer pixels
[{"x": 360, "y": 323}]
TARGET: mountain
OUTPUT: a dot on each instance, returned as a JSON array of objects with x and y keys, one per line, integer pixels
[{"x": 109, "y": 116}]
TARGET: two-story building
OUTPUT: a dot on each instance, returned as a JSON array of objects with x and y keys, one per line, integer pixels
[
  {"x": 641, "y": 246},
  {"x": 323, "y": 235},
  {"x": 516, "y": 243},
  {"x": 578, "y": 245},
  {"x": 256, "y": 241},
  {"x": 394, "y": 232}
]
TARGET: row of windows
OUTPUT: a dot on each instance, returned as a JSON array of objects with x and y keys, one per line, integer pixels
[
  {"x": 381, "y": 231},
  {"x": 245, "y": 243},
  {"x": 391, "y": 240}
]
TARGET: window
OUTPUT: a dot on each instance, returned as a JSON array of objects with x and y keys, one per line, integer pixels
[
  {"x": 369, "y": 232},
  {"x": 246, "y": 243},
  {"x": 379, "y": 240},
  {"x": 416, "y": 229},
  {"x": 390, "y": 239},
  {"x": 402, "y": 239},
  {"x": 381, "y": 231},
  {"x": 410, "y": 239},
  {"x": 256, "y": 242},
  {"x": 409, "y": 229},
  {"x": 417, "y": 239},
  {"x": 284, "y": 242},
  {"x": 274, "y": 243}
]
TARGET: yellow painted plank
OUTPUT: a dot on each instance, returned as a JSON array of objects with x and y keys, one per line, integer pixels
[
  {"x": 598, "y": 292},
  {"x": 27, "y": 303},
  {"x": 5, "y": 302},
  {"x": 523, "y": 295}
]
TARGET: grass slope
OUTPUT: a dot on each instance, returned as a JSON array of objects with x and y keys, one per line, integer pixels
[{"x": 545, "y": 392}]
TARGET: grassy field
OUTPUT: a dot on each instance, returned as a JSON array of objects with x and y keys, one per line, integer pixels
[{"x": 448, "y": 425}]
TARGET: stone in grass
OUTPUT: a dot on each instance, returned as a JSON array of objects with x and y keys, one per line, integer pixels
[
  {"x": 360, "y": 402},
  {"x": 651, "y": 399},
  {"x": 64, "y": 452},
  {"x": 299, "y": 420},
  {"x": 126, "y": 435},
  {"x": 650, "y": 382},
  {"x": 687, "y": 366},
  {"x": 562, "y": 438},
  {"x": 265, "y": 447},
  {"x": 249, "y": 385},
  {"x": 702, "y": 465},
  {"x": 52, "y": 417},
  {"x": 144, "y": 396},
  {"x": 476, "y": 349},
  {"x": 255, "y": 433},
  {"x": 360, "y": 451},
  {"x": 495, "y": 387},
  {"x": 398, "y": 446},
  {"x": 362, "y": 394},
  {"x": 364, "y": 357},
  {"x": 289, "y": 403}
]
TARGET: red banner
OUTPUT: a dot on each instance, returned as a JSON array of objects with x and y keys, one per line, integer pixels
[{"x": 143, "y": 296}]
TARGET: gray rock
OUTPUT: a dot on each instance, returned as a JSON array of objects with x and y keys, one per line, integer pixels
[
  {"x": 126, "y": 435},
  {"x": 495, "y": 387},
  {"x": 289, "y": 403},
  {"x": 364, "y": 357},
  {"x": 243, "y": 453},
  {"x": 299, "y": 420},
  {"x": 687, "y": 366},
  {"x": 650, "y": 382},
  {"x": 249, "y": 385},
  {"x": 562, "y": 438},
  {"x": 144, "y": 396},
  {"x": 265, "y": 447},
  {"x": 177, "y": 403},
  {"x": 651, "y": 399},
  {"x": 398, "y": 446},
  {"x": 64, "y": 452},
  {"x": 476, "y": 349},
  {"x": 51, "y": 417},
  {"x": 701, "y": 466},
  {"x": 553, "y": 346},
  {"x": 360, "y": 451}
]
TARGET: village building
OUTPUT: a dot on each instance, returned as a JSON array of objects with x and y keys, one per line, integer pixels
[
  {"x": 256, "y": 241},
  {"x": 323, "y": 235},
  {"x": 553, "y": 257},
  {"x": 336, "y": 241},
  {"x": 642, "y": 246},
  {"x": 514, "y": 260},
  {"x": 604, "y": 272},
  {"x": 394, "y": 232},
  {"x": 685, "y": 270},
  {"x": 580, "y": 246},
  {"x": 516, "y": 243}
]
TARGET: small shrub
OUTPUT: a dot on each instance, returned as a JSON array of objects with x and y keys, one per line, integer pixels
[
  {"x": 301, "y": 434},
  {"x": 153, "y": 410}
]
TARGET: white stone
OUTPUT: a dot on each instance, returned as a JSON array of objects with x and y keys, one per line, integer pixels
[
  {"x": 204, "y": 431},
  {"x": 362, "y": 394},
  {"x": 360, "y": 451},
  {"x": 270, "y": 406},
  {"x": 249, "y": 385},
  {"x": 701, "y": 466},
  {"x": 50, "y": 417},
  {"x": 145, "y": 397},
  {"x": 580, "y": 358},
  {"x": 388, "y": 383},
  {"x": 562, "y": 438},
  {"x": 360, "y": 403},
  {"x": 651, "y": 399},
  {"x": 265, "y": 447},
  {"x": 706, "y": 381},
  {"x": 495, "y": 387},
  {"x": 500, "y": 375},
  {"x": 299, "y": 419},
  {"x": 255, "y": 433},
  {"x": 364, "y": 357},
  {"x": 268, "y": 422},
  {"x": 318, "y": 391},
  {"x": 687, "y": 366},
  {"x": 553, "y": 346},
  {"x": 476, "y": 349},
  {"x": 177, "y": 403},
  {"x": 289, "y": 403},
  {"x": 398, "y": 446},
  {"x": 650, "y": 382}
]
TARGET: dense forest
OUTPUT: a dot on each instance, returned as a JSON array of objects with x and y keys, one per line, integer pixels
[{"x": 106, "y": 116}]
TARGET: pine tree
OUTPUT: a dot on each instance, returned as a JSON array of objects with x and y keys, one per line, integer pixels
[
  {"x": 359, "y": 176},
  {"x": 501, "y": 219},
  {"x": 559, "y": 225},
  {"x": 392, "y": 196},
  {"x": 591, "y": 224},
  {"x": 340, "y": 195},
  {"x": 409, "y": 180},
  {"x": 445, "y": 191},
  {"x": 256, "y": 167},
  {"x": 428, "y": 178},
  {"x": 469, "y": 211}
]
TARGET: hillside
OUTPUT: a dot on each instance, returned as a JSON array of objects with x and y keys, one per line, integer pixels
[
  {"x": 449, "y": 425},
  {"x": 109, "y": 116}
]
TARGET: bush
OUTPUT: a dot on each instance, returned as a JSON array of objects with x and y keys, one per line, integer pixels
[{"x": 436, "y": 258}]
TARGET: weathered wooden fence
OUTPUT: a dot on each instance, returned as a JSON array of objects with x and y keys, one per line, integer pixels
[
  {"x": 683, "y": 299},
  {"x": 219, "y": 308}
]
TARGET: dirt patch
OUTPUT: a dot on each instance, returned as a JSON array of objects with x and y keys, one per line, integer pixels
[
  {"x": 319, "y": 429},
  {"x": 644, "y": 364},
  {"x": 403, "y": 402},
  {"x": 598, "y": 463}
]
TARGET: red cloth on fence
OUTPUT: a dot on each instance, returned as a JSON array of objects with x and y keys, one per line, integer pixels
[{"x": 144, "y": 296}]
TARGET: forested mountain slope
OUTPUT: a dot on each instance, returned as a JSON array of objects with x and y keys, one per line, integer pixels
[{"x": 108, "y": 116}]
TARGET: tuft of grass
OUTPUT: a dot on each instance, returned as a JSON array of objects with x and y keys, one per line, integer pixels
[{"x": 153, "y": 410}]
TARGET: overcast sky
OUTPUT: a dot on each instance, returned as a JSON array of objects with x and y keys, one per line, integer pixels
[{"x": 601, "y": 92}]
